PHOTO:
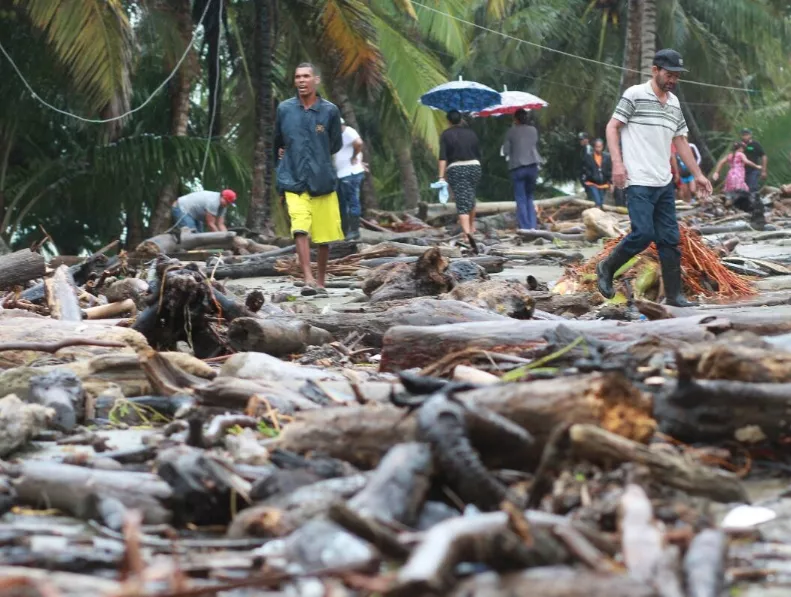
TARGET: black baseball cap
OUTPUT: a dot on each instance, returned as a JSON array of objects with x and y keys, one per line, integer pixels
[
  {"x": 746, "y": 131},
  {"x": 670, "y": 60}
]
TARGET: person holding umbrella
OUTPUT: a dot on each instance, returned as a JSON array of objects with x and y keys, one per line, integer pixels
[
  {"x": 460, "y": 166},
  {"x": 520, "y": 148}
]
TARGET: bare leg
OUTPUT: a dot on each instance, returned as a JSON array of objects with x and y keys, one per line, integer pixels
[
  {"x": 303, "y": 255},
  {"x": 464, "y": 222},
  {"x": 324, "y": 256},
  {"x": 472, "y": 221}
]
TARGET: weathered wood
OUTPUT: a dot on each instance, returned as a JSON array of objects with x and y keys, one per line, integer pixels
[
  {"x": 252, "y": 268},
  {"x": 599, "y": 445},
  {"x": 395, "y": 249},
  {"x": 417, "y": 312},
  {"x": 186, "y": 240},
  {"x": 600, "y": 399},
  {"x": 20, "y": 267},
  {"x": 111, "y": 310},
  {"x": 62, "y": 296},
  {"x": 505, "y": 297},
  {"x": 404, "y": 347},
  {"x": 278, "y": 336},
  {"x": 491, "y": 264},
  {"x": 20, "y": 422},
  {"x": 530, "y": 235},
  {"x": 705, "y": 562},
  {"x": 61, "y": 391},
  {"x": 764, "y": 322}
]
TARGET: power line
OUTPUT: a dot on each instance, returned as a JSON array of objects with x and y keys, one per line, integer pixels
[
  {"x": 561, "y": 52},
  {"x": 43, "y": 102}
]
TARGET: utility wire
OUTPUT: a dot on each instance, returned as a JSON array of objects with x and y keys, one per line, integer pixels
[
  {"x": 43, "y": 102},
  {"x": 561, "y": 52}
]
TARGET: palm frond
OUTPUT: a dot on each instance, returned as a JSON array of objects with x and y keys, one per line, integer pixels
[
  {"x": 93, "y": 39},
  {"x": 450, "y": 34}
]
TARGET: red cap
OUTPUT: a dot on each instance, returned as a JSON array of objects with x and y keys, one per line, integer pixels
[{"x": 228, "y": 195}]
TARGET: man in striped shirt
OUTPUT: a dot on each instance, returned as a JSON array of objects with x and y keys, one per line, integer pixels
[{"x": 647, "y": 120}]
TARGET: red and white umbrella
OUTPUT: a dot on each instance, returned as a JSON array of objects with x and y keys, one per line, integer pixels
[{"x": 511, "y": 102}]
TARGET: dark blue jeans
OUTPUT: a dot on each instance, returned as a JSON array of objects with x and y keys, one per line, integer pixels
[
  {"x": 184, "y": 220},
  {"x": 652, "y": 211},
  {"x": 349, "y": 194},
  {"x": 753, "y": 179},
  {"x": 595, "y": 194},
  {"x": 524, "y": 181}
]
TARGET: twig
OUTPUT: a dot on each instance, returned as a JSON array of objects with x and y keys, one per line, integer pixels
[{"x": 56, "y": 346}]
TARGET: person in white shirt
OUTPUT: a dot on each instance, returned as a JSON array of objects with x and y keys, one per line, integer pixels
[
  {"x": 351, "y": 172},
  {"x": 203, "y": 209},
  {"x": 646, "y": 121}
]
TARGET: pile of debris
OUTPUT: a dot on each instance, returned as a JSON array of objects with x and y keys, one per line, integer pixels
[{"x": 180, "y": 421}]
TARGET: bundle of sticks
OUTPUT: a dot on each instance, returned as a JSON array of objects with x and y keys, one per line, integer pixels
[{"x": 701, "y": 270}]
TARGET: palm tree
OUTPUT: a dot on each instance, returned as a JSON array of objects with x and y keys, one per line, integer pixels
[{"x": 647, "y": 36}]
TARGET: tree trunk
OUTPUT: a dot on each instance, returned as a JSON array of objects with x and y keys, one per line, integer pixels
[
  {"x": 631, "y": 52},
  {"x": 647, "y": 37},
  {"x": 406, "y": 166},
  {"x": 20, "y": 267},
  {"x": 258, "y": 215},
  {"x": 707, "y": 161},
  {"x": 367, "y": 192},
  {"x": 134, "y": 228},
  {"x": 179, "y": 110}
]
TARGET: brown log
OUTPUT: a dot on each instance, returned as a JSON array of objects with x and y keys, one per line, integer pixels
[
  {"x": 599, "y": 445},
  {"x": 61, "y": 296},
  {"x": 404, "y": 347},
  {"x": 111, "y": 310},
  {"x": 705, "y": 562},
  {"x": 278, "y": 336},
  {"x": 603, "y": 399},
  {"x": 417, "y": 312},
  {"x": 553, "y": 582},
  {"x": 20, "y": 267},
  {"x": 168, "y": 243},
  {"x": 572, "y": 304}
]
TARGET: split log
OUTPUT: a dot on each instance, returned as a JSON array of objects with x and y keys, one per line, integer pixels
[
  {"x": 553, "y": 582},
  {"x": 608, "y": 400},
  {"x": 404, "y": 347},
  {"x": 20, "y": 267},
  {"x": 184, "y": 240},
  {"x": 61, "y": 391},
  {"x": 641, "y": 539},
  {"x": 91, "y": 494},
  {"x": 485, "y": 538},
  {"x": 598, "y": 445},
  {"x": 20, "y": 422},
  {"x": 394, "y": 249},
  {"x": 278, "y": 336},
  {"x": 111, "y": 310},
  {"x": 418, "y": 312},
  {"x": 491, "y": 264},
  {"x": 62, "y": 296},
  {"x": 705, "y": 563}
]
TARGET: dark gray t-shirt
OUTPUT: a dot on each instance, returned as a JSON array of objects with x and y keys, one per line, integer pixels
[
  {"x": 196, "y": 204},
  {"x": 521, "y": 146}
]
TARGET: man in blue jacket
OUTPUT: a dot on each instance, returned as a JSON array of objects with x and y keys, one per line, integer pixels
[{"x": 307, "y": 134}]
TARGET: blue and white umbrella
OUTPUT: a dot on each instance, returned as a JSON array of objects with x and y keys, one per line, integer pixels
[{"x": 464, "y": 96}]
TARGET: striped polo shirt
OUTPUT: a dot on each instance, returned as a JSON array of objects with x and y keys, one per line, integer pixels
[{"x": 650, "y": 127}]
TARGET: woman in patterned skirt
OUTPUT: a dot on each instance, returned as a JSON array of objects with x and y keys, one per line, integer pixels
[{"x": 460, "y": 163}]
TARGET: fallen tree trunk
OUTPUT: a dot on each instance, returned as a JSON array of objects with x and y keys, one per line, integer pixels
[
  {"x": 404, "y": 347},
  {"x": 394, "y": 249},
  {"x": 598, "y": 445},
  {"x": 169, "y": 243},
  {"x": 62, "y": 296},
  {"x": 20, "y": 267},
  {"x": 606, "y": 400},
  {"x": 278, "y": 336}
]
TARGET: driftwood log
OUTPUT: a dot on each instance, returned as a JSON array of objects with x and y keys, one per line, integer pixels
[
  {"x": 489, "y": 263},
  {"x": 278, "y": 336},
  {"x": 20, "y": 267},
  {"x": 184, "y": 240},
  {"x": 363, "y": 434},
  {"x": 20, "y": 422},
  {"x": 62, "y": 295},
  {"x": 404, "y": 347}
]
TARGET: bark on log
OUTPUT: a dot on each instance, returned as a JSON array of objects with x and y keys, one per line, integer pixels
[
  {"x": 598, "y": 445},
  {"x": 404, "y": 347},
  {"x": 252, "y": 268},
  {"x": 168, "y": 243},
  {"x": 62, "y": 296},
  {"x": 20, "y": 267},
  {"x": 420, "y": 312},
  {"x": 362, "y": 434},
  {"x": 278, "y": 336}
]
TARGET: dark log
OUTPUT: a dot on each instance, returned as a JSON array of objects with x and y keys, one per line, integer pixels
[
  {"x": 485, "y": 538},
  {"x": 251, "y": 268},
  {"x": 282, "y": 514},
  {"x": 62, "y": 296},
  {"x": 529, "y": 235},
  {"x": 185, "y": 240},
  {"x": 491, "y": 264},
  {"x": 705, "y": 562},
  {"x": 420, "y": 312},
  {"x": 553, "y": 582},
  {"x": 20, "y": 267},
  {"x": 428, "y": 276},
  {"x": 404, "y": 347},
  {"x": 604, "y": 399},
  {"x": 598, "y": 445},
  {"x": 91, "y": 494},
  {"x": 744, "y": 227},
  {"x": 278, "y": 336},
  {"x": 395, "y": 248},
  {"x": 398, "y": 487},
  {"x": 61, "y": 391}
]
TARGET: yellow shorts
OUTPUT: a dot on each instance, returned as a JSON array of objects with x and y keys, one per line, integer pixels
[{"x": 320, "y": 217}]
